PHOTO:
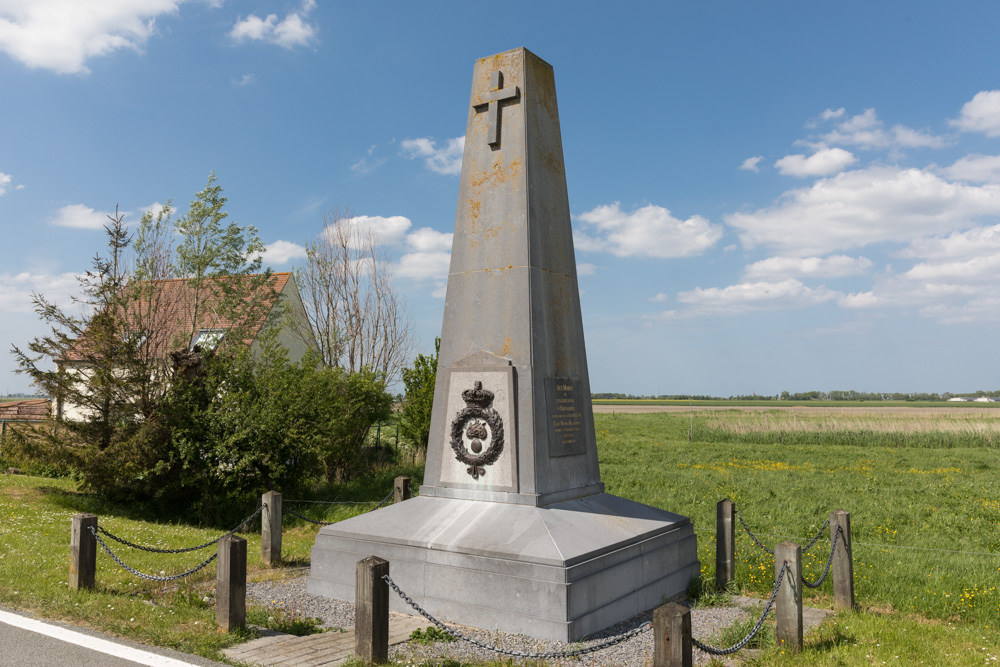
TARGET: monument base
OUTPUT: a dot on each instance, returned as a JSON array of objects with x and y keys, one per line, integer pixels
[{"x": 562, "y": 571}]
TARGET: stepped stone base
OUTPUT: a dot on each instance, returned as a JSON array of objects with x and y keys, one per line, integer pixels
[{"x": 561, "y": 571}]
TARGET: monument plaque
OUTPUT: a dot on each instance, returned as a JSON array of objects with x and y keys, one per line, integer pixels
[
  {"x": 512, "y": 529},
  {"x": 566, "y": 423}
]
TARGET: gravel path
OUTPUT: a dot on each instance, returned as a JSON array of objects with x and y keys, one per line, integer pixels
[{"x": 290, "y": 594}]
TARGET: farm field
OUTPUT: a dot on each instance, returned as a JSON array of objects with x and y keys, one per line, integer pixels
[{"x": 925, "y": 518}]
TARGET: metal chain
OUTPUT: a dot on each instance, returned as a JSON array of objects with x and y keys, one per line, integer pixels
[
  {"x": 385, "y": 501},
  {"x": 330, "y": 523},
  {"x": 829, "y": 560},
  {"x": 150, "y": 576},
  {"x": 752, "y": 536},
  {"x": 305, "y": 518},
  {"x": 746, "y": 640},
  {"x": 180, "y": 551},
  {"x": 818, "y": 534},
  {"x": 518, "y": 654}
]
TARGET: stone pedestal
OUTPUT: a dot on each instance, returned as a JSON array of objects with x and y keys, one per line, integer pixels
[{"x": 512, "y": 529}]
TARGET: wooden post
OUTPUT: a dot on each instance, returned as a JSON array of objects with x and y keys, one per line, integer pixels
[
  {"x": 270, "y": 528},
  {"x": 231, "y": 584},
  {"x": 725, "y": 544},
  {"x": 371, "y": 611},
  {"x": 82, "y": 552},
  {"x": 789, "y": 603},
  {"x": 401, "y": 490},
  {"x": 672, "y": 636},
  {"x": 843, "y": 563}
]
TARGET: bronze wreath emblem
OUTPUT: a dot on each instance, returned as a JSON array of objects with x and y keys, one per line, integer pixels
[{"x": 473, "y": 421}]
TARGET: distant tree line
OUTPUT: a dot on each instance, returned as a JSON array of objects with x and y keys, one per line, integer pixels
[{"x": 833, "y": 395}]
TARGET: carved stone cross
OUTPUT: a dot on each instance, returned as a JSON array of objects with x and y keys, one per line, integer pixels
[{"x": 496, "y": 94}]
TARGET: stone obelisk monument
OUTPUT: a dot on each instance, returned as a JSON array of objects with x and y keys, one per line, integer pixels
[{"x": 512, "y": 529}]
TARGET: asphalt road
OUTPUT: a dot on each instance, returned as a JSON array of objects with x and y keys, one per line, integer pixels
[{"x": 34, "y": 647}]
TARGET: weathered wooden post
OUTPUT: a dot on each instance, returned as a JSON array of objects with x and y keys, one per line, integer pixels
[
  {"x": 231, "y": 584},
  {"x": 401, "y": 490},
  {"x": 371, "y": 611},
  {"x": 82, "y": 552},
  {"x": 725, "y": 544},
  {"x": 270, "y": 528},
  {"x": 672, "y": 636},
  {"x": 789, "y": 603},
  {"x": 843, "y": 563}
]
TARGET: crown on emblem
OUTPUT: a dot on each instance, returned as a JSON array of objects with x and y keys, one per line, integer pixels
[{"x": 478, "y": 396}]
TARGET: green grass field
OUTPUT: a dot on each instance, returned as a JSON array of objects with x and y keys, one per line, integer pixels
[
  {"x": 925, "y": 524},
  {"x": 925, "y": 519}
]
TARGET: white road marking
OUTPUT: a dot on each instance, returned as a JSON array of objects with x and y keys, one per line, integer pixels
[{"x": 93, "y": 643}]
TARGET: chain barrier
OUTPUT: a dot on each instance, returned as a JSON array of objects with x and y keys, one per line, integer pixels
[
  {"x": 813, "y": 541},
  {"x": 180, "y": 551},
  {"x": 150, "y": 577},
  {"x": 752, "y": 536},
  {"x": 305, "y": 518},
  {"x": 517, "y": 654},
  {"x": 826, "y": 570},
  {"x": 771, "y": 551},
  {"x": 746, "y": 640},
  {"x": 381, "y": 504}
]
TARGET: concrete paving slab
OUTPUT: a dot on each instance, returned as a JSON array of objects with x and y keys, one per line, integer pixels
[{"x": 327, "y": 648}]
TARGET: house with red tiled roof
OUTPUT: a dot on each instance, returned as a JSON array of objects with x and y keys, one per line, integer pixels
[{"x": 170, "y": 317}]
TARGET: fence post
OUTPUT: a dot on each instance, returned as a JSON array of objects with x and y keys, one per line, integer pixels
[
  {"x": 82, "y": 552},
  {"x": 270, "y": 528},
  {"x": 672, "y": 636},
  {"x": 401, "y": 490},
  {"x": 725, "y": 544},
  {"x": 843, "y": 564},
  {"x": 231, "y": 584},
  {"x": 371, "y": 611},
  {"x": 789, "y": 603}
]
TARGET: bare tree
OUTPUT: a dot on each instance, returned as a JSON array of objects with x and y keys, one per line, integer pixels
[{"x": 357, "y": 315}]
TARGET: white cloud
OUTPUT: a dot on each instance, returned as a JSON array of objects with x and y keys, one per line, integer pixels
[
  {"x": 444, "y": 160},
  {"x": 424, "y": 266},
  {"x": 830, "y": 114},
  {"x": 864, "y": 206},
  {"x": 80, "y": 217},
  {"x": 980, "y": 309},
  {"x": 976, "y": 168},
  {"x": 752, "y": 296},
  {"x": 16, "y": 290},
  {"x": 4, "y": 182},
  {"x": 968, "y": 244},
  {"x": 427, "y": 239},
  {"x": 281, "y": 252},
  {"x": 62, "y": 35},
  {"x": 430, "y": 256},
  {"x": 981, "y": 114},
  {"x": 245, "y": 80},
  {"x": 660, "y": 298},
  {"x": 823, "y": 162},
  {"x": 975, "y": 269},
  {"x": 837, "y": 266},
  {"x": 650, "y": 231},
  {"x": 292, "y": 31},
  {"x": 907, "y": 137},
  {"x": 866, "y": 131},
  {"x": 750, "y": 164},
  {"x": 389, "y": 230},
  {"x": 585, "y": 269}
]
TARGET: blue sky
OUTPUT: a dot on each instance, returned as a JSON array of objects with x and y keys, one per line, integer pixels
[{"x": 766, "y": 196}]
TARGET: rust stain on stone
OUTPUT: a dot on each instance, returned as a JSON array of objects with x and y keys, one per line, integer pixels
[{"x": 497, "y": 174}]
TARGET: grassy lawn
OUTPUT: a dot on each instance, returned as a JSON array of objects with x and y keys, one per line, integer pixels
[
  {"x": 925, "y": 524},
  {"x": 35, "y": 519},
  {"x": 925, "y": 519}
]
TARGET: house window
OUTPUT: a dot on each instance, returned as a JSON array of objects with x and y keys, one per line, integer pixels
[{"x": 208, "y": 339}]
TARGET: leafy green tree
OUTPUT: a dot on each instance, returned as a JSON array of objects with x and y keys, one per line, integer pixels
[{"x": 415, "y": 411}]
